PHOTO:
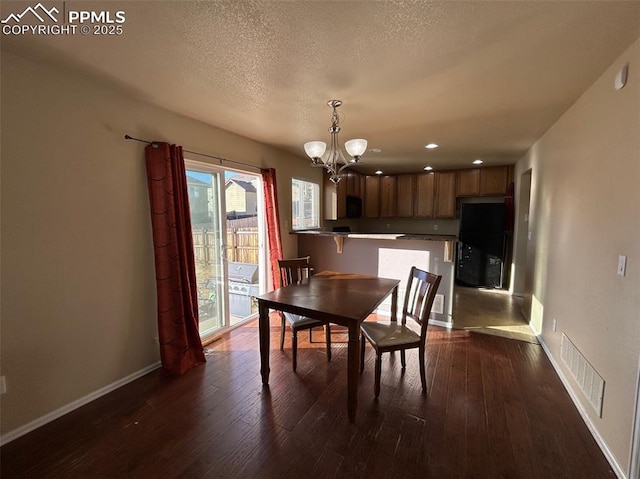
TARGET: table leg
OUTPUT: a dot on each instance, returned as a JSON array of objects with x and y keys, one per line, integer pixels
[
  {"x": 353, "y": 357},
  {"x": 264, "y": 331}
]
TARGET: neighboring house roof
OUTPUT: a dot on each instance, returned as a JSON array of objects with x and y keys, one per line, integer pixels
[{"x": 248, "y": 187}]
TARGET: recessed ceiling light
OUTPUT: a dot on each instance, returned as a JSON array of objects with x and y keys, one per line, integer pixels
[
  {"x": 477, "y": 162},
  {"x": 428, "y": 168},
  {"x": 379, "y": 172},
  {"x": 375, "y": 150},
  {"x": 431, "y": 146}
]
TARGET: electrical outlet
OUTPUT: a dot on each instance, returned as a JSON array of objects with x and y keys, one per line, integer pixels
[
  {"x": 554, "y": 324},
  {"x": 3, "y": 385},
  {"x": 435, "y": 227}
]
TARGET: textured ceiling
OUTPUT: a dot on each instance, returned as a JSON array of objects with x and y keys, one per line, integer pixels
[{"x": 481, "y": 79}]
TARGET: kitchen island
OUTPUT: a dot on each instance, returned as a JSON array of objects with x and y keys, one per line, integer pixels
[{"x": 388, "y": 255}]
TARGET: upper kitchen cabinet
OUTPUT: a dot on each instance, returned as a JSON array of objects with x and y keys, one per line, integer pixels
[
  {"x": 372, "y": 196},
  {"x": 445, "y": 194},
  {"x": 489, "y": 181},
  {"x": 335, "y": 197},
  {"x": 355, "y": 182},
  {"x": 388, "y": 190},
  {"x": 468, "y": 182},
  {"x": 493, "y": 180},
  {"x": 406, "y": 185},
  {"x": 425, "y": 192}
]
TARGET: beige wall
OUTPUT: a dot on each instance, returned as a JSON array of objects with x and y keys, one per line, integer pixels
[
  {"x": 584, "y": 213},
  {"x": 78, "y": 290}
]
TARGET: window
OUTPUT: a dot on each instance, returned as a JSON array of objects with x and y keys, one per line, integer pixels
[{"x": 305, "y": 204}]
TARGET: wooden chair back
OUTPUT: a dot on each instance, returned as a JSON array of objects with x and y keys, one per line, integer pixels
[
  {"x": 294, "y": 270},
  {"x": 418, "y": 301}
]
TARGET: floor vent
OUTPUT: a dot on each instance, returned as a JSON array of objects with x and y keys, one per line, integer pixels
[{"x": 588, "y": 379}]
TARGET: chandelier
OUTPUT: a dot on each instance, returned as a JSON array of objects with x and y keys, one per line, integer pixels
[{"x": 333, "y": 159}]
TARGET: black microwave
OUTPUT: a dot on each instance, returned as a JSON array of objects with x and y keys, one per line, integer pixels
[{"x": 354, "y": 207}]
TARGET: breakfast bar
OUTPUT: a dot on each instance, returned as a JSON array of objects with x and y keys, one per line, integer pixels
[{"x": 387, "y": 255}]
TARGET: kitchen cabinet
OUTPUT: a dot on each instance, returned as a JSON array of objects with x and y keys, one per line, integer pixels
[
  {"x": 372, "y": 196},
  {"x": 493, "y": 180},
  {"x": 489, "y": 181},
  {"x": 335, "y": 197},
  {"x": 425, "y": 190},
  {"x": 354, "y": 184},
  {"x": 468, "y": 182},
  {"x": 424, "y": 195},
  {"x": 445, "y": 194},
  {"x": 406, "y": 194},
  {"x": 388, "y": 191}
]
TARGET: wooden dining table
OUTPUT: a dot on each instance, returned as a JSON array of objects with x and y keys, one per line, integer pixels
[{"x": 341, "y": 298}]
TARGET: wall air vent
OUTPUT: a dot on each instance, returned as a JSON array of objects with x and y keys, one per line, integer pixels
[{"x": 590, "y": 382}]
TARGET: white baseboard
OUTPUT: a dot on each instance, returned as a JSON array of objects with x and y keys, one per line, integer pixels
[
  {"x": 42, "y": 420},
  {"x": 444, "y": 324},
  {"x": 585, "y": 417}
]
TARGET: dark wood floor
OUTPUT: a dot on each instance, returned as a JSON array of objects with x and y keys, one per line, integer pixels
[{"x": 495, "y": 409}]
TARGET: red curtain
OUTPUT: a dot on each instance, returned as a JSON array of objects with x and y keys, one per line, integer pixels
[
  {"x": 180, "y": 345},
  {"x": 273, "y": 221}
]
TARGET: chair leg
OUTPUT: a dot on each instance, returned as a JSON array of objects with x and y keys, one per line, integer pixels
[
  {"x": 403, "y": 359},
  {"x": 327, "y": 332},
  {"x": 282, "y": 333},
  {"x": 423, "y": 378},
  {"x": 378, "y": 374},
  {"x": 310, "y": 338},
  {"x": 294, "y": 347},
  {"x": 362, "y": 343}
]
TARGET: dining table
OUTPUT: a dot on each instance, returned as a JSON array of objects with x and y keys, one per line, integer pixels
[{"x": 345, "y": 299}]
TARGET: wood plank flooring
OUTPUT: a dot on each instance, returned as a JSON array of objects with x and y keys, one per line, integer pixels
[{"x": 495, "y": 409}]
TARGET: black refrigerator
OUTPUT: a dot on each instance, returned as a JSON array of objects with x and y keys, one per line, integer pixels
[{"x": 481, "y": 245}]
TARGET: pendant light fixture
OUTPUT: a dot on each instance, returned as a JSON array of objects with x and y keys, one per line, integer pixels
[{"x": 333, "y": 159}]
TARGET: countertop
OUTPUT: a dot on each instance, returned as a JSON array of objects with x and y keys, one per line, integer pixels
[{"x": 382, "y": 236}]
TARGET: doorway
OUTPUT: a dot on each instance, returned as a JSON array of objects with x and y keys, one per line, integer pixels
[
  {"x": 500, "y": 311},
  {"x": 227, "y": 223}
]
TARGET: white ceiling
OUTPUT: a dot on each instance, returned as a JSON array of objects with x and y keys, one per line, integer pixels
[{"x": 482, "y": 79}]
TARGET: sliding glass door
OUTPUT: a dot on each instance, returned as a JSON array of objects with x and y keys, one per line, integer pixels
[{"x": 226, "y": 220}]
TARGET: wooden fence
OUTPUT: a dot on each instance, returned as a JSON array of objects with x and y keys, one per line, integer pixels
[{"x": 241, "y": 246}]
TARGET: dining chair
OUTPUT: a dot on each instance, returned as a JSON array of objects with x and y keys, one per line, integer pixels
[
  {"x": 293, "y": 271},
  {"x": 391, "y": 336}
]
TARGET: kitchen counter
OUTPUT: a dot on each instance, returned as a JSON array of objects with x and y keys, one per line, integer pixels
[{"x": 381, "y": 236}]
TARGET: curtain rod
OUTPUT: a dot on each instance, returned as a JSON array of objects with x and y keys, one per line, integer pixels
[{"x": 220, "y": 159}]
